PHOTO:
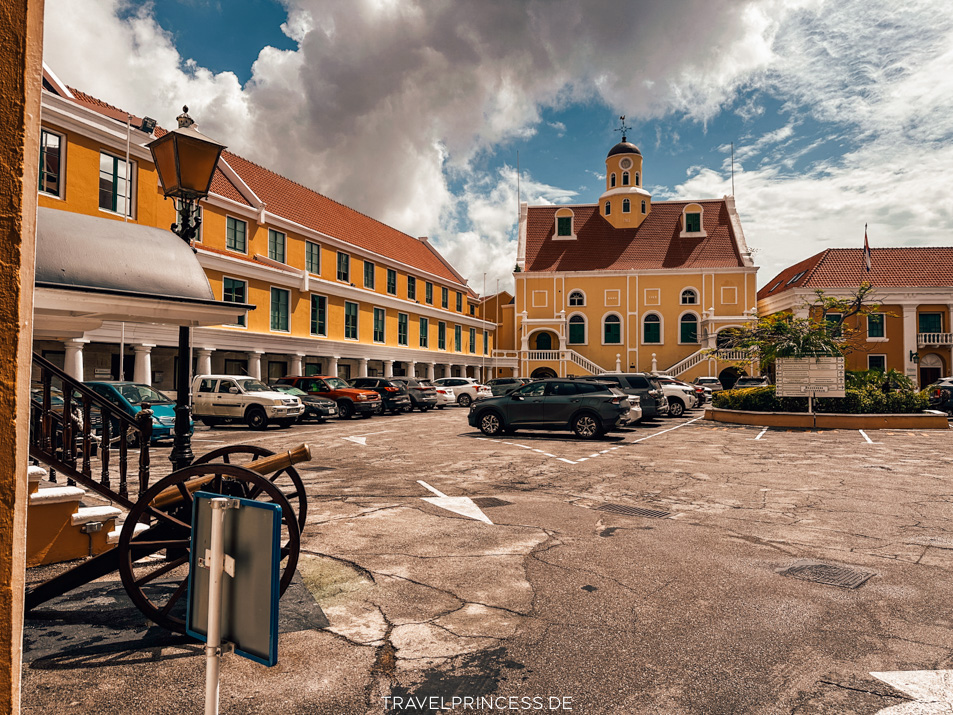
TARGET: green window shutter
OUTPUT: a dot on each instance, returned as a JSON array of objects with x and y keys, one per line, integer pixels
[
  {"x": 279, "y": 309},
  {"x": 689, "y": 331},
  {"x": 577, "y": 332},
  {"x": 875, "y": 325},
  {"x": 424, "y": 333},
  {"x": 402, "y": 328},
  {"x": 564, "y": 226},
  {"x": 319, "y": 315}
]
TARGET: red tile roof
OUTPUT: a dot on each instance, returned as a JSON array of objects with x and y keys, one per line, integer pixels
[
  {"x": 905, "y": 267},
  {"x": 294, "y": 202},
  {"x": 655, "y": 244}
]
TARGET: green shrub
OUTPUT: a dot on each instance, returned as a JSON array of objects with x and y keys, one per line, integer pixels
[{"x": 867, "y": 399}]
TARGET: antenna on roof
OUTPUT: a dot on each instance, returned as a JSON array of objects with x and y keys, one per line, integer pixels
[
  {"x": 732, "y": 169},
  {"x": 623, "y": 128}
]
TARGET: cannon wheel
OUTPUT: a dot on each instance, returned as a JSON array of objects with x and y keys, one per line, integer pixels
[
  {"x": 237, "y": 454},
  {"x": 171, "y": 529}
]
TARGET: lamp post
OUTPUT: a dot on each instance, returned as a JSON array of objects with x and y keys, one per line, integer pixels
[{"x": 185, "y": 161}]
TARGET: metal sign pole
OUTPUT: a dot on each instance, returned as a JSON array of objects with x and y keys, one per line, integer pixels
[{"x": 216, "y": 566}]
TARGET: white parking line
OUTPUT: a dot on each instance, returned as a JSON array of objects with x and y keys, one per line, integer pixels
[
  {"x": 656, "y": 434},
  {"x": 869, "y": 440},
  {"x": 761, "y": 433}
]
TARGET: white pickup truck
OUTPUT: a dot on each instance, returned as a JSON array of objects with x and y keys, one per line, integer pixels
[{"x": 229, "y": 398}]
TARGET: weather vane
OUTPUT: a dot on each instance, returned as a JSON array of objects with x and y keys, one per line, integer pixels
[{"x": 623, "y": 128}]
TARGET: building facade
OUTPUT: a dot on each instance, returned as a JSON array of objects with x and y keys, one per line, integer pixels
[
  {"x": 628, "y": 283},
  {"x": 335, "y": 291},
  {"x": 911, "y": 330}
]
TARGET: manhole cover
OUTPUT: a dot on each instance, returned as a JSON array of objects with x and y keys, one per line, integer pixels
[
  {"x": 633, "y": 511},
  {"x": 487, "y": 502},
  {"x": 828, "y": 574}
]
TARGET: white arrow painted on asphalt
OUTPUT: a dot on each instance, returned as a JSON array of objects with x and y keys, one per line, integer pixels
[
  {"x": 361, "y": 439},
  {"x": 931, "y": 689},
  {"x": 464, "y": 506}
]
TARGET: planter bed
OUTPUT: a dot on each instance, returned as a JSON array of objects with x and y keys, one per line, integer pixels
[{"x": 830, "y": 420}]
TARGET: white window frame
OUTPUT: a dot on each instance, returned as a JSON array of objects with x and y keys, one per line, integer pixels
[
  {"x": 585, "y": 329},
  {"x": 241, "y": 220},
  {"x": 133, "y": 169},
  {"x": 881, "y": 355},
  {"x": 693, "y": 289},
  {"x": 698, "y": 322},
  {"x": 580, "y": 292},
  {"x": 602, "y": 324},
  {"x": 327, "y": 313},
  {"x": 318, "y": 248},
  {"x": 287, "y": 292},
  {"x": 661, "y": 328},
  {"x": 337, "y": 267},
  {"x": 701, "y": 222},
  {"x": 383, "y": 313},
  {"x": 877, "y": 340},
  {"x": 61, "y": 189},
  {"x": 406, "y": 317},
  {"x": 239, "y": 280},
  {"x": 373, "y": 267},
  {"x": 572, "y": 225},
  {"x": 357, "y": 322},
  {"x": 284, "y": 245}
]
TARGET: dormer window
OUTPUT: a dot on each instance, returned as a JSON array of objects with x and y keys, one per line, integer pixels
[
  {"x": 692, "y": 221},
  {"x": 625, "y": 206},
  {"x": 612, "y": 181},
  {"x": 564, "y": 225},
  {"x": 625, "y": 178}
]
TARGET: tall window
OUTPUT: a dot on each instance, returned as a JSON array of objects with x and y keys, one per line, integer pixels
[
  {"x": 486, "y": 343},
  {"x": 472, "y": 340},
  {"x": 391, "y": 281},
  {"x": 276, "y": 245},
  {"x": 441, "y": 336},
  {"x": 279, "y": 309},
  {"x": 428, "y": 292},
  {"x": 444, "y": 298},
  {"x": 608, "y": 207},
  {"x": 612, "y": 181},
  {"x": 378, "y": 325},
  {"x": 577, "y": 330},
  {"x": 368, "y": 275},
  {"x": 564, "y": 226},
  {"x": 319, "y": 315},
  {"x": 234, "y": 291},
  {"x": 115, "y": 189},
  {"x": 688, "y": 329},
  {"x": 637, "y": 179},
  {"x": 875, "y": 325},
  {"x": 236, "y": 235},
  {"x": 643, "y": 207},
  {"x": 424, "y": 333},
  {"x": 411, "y": 288},
  {"x": 689, "y": 297},
  {"x": 625, "y": 178},
  {"x": 350, "y": 320},
  {"x": 312, "y": 257},
  {"x": 693, "y": 222},
  {"x": 459, "y": 302},
  {"x": 577, "y": 298},
  {"x": 457, "y": 338},
  {"x": 625, "y": 206},
  {"x": 402, "y": 330},
  {"x": 344, "y": 267},
  {"x": 651, "y": 329},
  {"x": 51, "y": 147},
  {"x": 612, "y": 330}
]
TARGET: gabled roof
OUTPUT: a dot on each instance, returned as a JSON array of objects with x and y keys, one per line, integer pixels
[
  {"x": 294, "y": 202},
  {"x": 653, "y": 245},
  {"x": 905, "y": 267}
]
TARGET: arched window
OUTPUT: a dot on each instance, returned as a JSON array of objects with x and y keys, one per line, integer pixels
[
  {"x": 688, "y": 328},
  {"x": 611, "y": 181},
  {"x": 637, "y": 179},
  {"x": 577, "y": 298},
  {"x": 608, "y": 207},
  {"x": 625, "y": 206},
  {"x": 577, "y": 330},
  {"x": 643, "y": 207},
  {"x": 612, "y": 330},
  {"x": 625, "y": 178},
  {"x": 651, "y": 329},
  {"x": 689, "y": 297}
]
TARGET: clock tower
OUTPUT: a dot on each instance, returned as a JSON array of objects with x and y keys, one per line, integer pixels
[{"x": 625, "y": 203}]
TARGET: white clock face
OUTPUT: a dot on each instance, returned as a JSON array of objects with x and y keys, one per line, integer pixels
[{"x": 626, "y": 163}]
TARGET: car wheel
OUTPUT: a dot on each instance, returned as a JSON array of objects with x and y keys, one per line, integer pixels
[
  {"x": 256, "y": 418},
  {"x": 587, "y": 426},
  {"x": 491, "y": 424},
  {"x": 440, "y": 407},
  {"x": 345, "y": 409},
  {"x": 210, "y": 421},
  {"x": 464, "y": 400},
  {"x": 676, "y": 408},
  {"x": 379, "y": 410}
]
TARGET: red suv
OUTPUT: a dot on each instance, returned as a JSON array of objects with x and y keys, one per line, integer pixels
[{"x": 350, "y": 400}]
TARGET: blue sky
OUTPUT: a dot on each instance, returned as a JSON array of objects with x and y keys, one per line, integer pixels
[{"x": 412, "y": 112}]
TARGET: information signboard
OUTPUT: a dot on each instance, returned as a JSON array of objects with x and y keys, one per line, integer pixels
[{"x": 810, "y": 377}]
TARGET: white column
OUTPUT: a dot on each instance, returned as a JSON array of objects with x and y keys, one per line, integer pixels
[
  {"x": 431, "y": 369},
  {"x": 388, "y": 368},
  {"x": 411, "y": 368},
  {"x": 333, "y": 366},
  {"x": 73, "y": 361},
  {"x": 142, "y": 372},
  {"x": 203, "y": 361},
  {"x": 362, "y": 367},
  {"x": 254, "y": 363},
  {"x": 909, "y": 340},
  {"x": 296, "y": 360}
]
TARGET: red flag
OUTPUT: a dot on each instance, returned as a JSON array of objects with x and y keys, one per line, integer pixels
[{"x": 867, "y": 254}]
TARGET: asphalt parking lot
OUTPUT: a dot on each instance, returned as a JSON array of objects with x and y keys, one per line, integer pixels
[{"x": 639, "y": 573}]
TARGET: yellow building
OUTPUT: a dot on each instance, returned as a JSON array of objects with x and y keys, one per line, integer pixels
[
  {"x": 336, "y": 292},
  {"x": 627, "y": 283}
]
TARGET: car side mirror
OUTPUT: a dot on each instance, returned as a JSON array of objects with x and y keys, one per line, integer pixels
[
  {"x": 517, "y": 397},
  {"x": 233, "y": 390}
]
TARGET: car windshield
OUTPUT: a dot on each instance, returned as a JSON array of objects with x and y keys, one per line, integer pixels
[
  {"x": 290, "y": 390},
  {"x": 137, "y": 394},
  {"x": 251, "y": 385},
  {"x": 336, "y": 383}
]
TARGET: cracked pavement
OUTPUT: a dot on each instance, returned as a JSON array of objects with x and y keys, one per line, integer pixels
[{"x": 556, "y": 599}]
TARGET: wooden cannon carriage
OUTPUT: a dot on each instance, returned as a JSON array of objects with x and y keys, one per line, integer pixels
[{"x": 152, "y": 554}]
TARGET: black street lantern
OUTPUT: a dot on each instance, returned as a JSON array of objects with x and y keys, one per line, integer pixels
[{"x": 185, "y": 160}]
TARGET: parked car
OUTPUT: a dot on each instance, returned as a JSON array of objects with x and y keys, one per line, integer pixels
[
  {"x": 709, "y": 381},
  {"x": 229, "y": 398},
  {"x": 588, "y": 408},
  {"x": 130, "y": 397},
  {"x": 635, "y": 409},
  {"x": 679, "y": 397},
  {"x": 319, "y": 408},
  {"x": 350, "y": 400},
  {"x": 393, "y": 394},
  {"x": 701, "y": 394},
  {"x": 445, "y": 395},
  {"x": 940, "y": 394},
  {"x": 502, "y": 385},
  {"x": 423, "y": 395},
  {"x": 751, "y": 381},
  {"x": 643, "y": 384},
  {"x": 466, "y": 389}
]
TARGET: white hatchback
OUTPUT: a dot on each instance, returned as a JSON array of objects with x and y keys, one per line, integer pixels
[{"x": 466, "y": 389}]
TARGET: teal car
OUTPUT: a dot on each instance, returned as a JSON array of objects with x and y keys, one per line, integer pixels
[{"x": 130, "y": 396}]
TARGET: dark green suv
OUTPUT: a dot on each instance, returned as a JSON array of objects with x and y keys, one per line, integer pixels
[{"x": 590, "y": 409}]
